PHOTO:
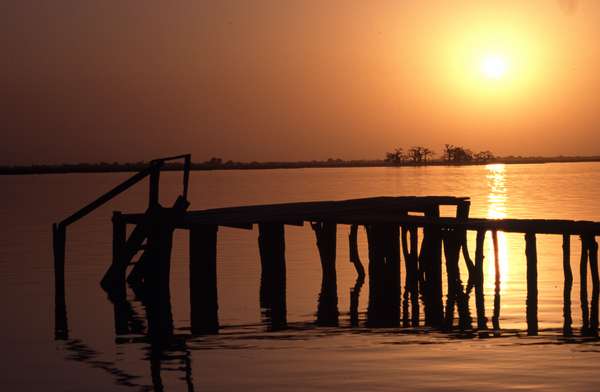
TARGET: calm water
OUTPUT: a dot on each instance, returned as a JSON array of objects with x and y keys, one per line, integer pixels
[{"x": 246, "y": 357}]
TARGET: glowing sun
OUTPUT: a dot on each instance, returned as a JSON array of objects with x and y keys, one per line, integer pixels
[{"x": 494, "y": 66}]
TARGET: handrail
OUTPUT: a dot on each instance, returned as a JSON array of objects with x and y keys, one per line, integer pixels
[
  {"x": 59, "y": 230},
  {"x": 153, "y": 167}
]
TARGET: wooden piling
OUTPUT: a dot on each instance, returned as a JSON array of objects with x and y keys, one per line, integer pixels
[
  {"x": 384, "y": 275},
  {"x": 593, "y": 256},
  {"x": 414, "y": 257},
  {"x": 496, "y": 314},
  {"x": 118, "y": 250},
  {"x": 532, "y": 287},
  {"x": 360, "y": 270},
  {"x": 61, "y": 329},
  {"x": 138, "y": 271},
  {"x": 271, "y": 240},
  {"x": 353, "y": 250},
  {"x": 393, "y": 274},
  {"x": 585, "y": 315},
  {"x": 465, "y": 320},
  {"x": 153, "y": 192},
  {"x": 435, "y": 270},
  {"x": 568, "y": 284},
  {"x": 134, "y": 245},
  {"x": 156, "y": 281},
  {"x": 411, "y": 286},
  {"x": 121, "y": 312},
  {"x": 203, "y": 279},
  {"x": 354, "y": 297},
  {"x": 326, "y": 235},
  {"x": 452, "y": 253},
  {"x": 479, "y": 283}
]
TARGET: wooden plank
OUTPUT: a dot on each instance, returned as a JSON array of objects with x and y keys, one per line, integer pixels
[
  {"x": 538, "y": 226},
  {"x": 171, "y": 158},
  {"x": 374, "y": 211}
]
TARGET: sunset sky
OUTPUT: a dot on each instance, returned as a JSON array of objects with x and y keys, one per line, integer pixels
[{"x": 265, "y": 80}]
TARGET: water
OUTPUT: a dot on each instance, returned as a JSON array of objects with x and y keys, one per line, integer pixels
[{"x": 246, "y": 356}]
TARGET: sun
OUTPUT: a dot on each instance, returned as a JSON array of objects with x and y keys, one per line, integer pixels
[{"x": 494, "y": 66}]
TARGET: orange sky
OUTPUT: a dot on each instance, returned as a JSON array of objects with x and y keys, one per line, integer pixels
[{"x": 294, "y": 80}]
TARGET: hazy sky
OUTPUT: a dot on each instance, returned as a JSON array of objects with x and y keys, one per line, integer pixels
[{"x": 263, "y": 80}]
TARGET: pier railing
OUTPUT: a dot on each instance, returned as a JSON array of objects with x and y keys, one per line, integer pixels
[{"x": 59, "y": 230}]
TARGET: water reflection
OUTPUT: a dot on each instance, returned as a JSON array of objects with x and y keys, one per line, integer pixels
[
  {"x": 497, "y": 209},
  {"x": 496, "y": 252}
]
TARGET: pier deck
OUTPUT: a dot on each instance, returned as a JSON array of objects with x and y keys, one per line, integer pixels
[{"x": 374, "y": 210}]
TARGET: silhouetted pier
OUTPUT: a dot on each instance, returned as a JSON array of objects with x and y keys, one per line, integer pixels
[{"x": 393, "y": 226}]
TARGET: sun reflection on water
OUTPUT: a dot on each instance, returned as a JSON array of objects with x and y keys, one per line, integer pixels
[{"x": 497, "y": 200}]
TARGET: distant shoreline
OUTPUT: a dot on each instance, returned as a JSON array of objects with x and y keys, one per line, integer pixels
[{"x": 331, "y": 163}]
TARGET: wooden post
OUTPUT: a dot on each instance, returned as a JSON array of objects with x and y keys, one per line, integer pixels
[
  {"x": 393, "y": 273},
  {"x": 134, "y": 244},
  {"x": 465, "y": 320},
  {"x": 479, "y": 292},
  {"x": 414, "y": 257},
  {"x": 160, "y": 242},
  {"x": 187, "y": 162},
  {"x": 376, "y": 273},
  {"x": 566, "y": 246},
  {"x": 114, "y": 279},
  {"x": 532, "y": 289},
  {"x": 456, "y": 295},
  {"x": 585, "y": 315},
  {"x": 353, "y": 249},
  {"x": 271, "y": 240},
  {"x": 496, "y": 314},
  {"x": 593, "y": 255},
  {"x": 61, "y": 330},
  {"x": 153, "y": 193},
  {"x": 411, "y": 285},
  {"x": 452, "y": 254},
  {"x": 384, "y": 275},
  {"x": 121, "y": 312},
  {"x": 204, "y": 305},
  {"x": 360, "y": 270},
  {"x": 327, "y": 311},
  {"x": 118, "y": 250},
  {"x": 435, "y": 271},
  {"x": 136, "y": 276}
]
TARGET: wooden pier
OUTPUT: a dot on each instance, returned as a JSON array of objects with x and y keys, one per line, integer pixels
[{"x": 392, "y": 225}]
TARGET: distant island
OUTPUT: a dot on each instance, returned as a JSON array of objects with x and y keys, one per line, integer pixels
[{"x": 414, "y": 156}]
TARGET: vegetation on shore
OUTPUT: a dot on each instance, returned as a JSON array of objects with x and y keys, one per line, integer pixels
[
  {"x": 450, "y": 154},
  {"x": 415, "y": 156}
]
